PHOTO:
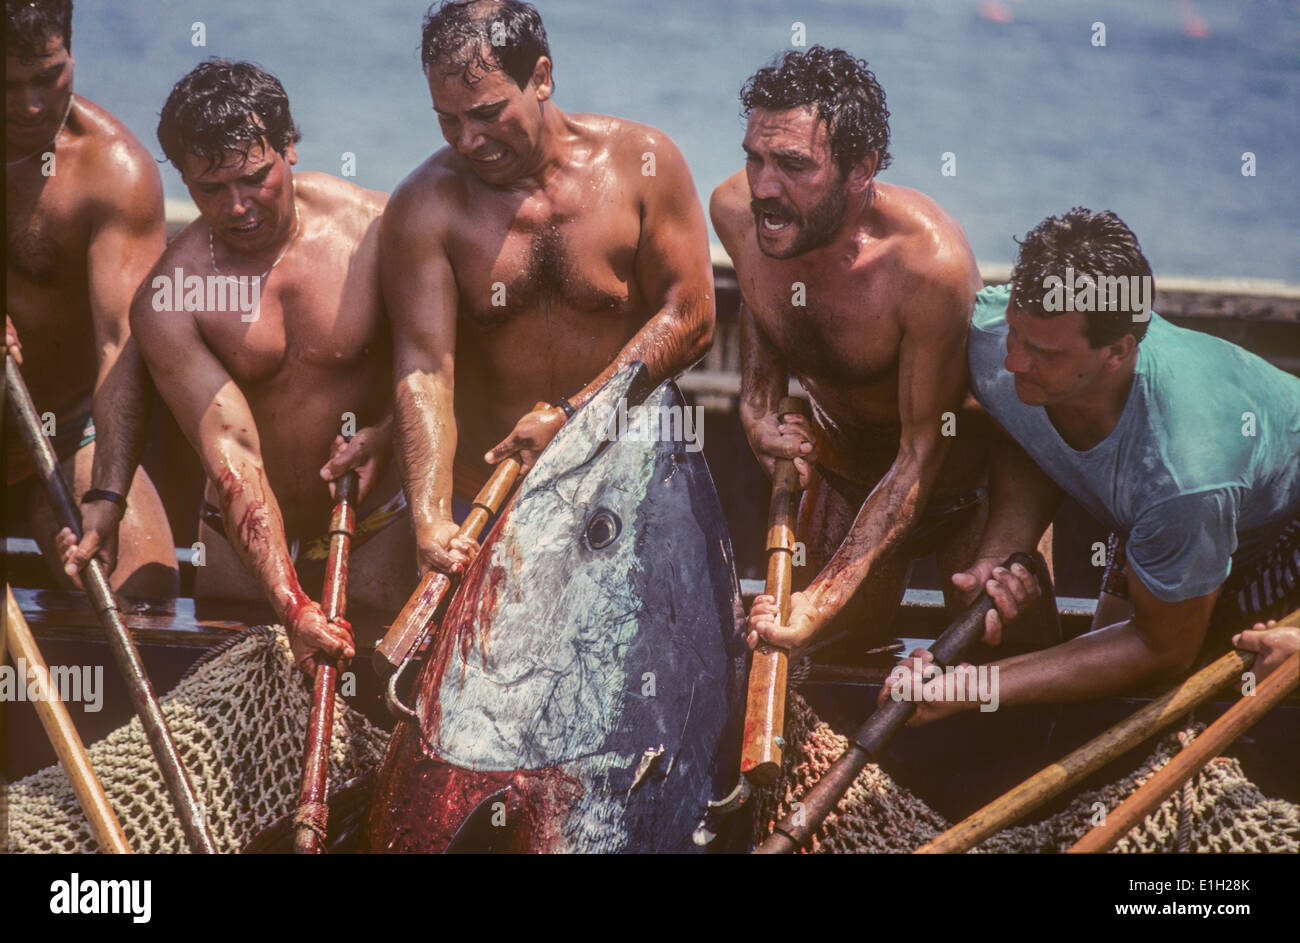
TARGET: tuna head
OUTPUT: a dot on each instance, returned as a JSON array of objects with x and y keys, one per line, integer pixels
[{"x": 599, "y": 633}]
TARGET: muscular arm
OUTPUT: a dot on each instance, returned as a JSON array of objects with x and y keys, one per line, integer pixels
[
  {"x": 1022, "y": 501},
  {"x": 421, "y": 298},
  {"x": 673, "y": 271},
  {"x": 215, "y": 417},
  {"x": 933, "y": 344},
  {"x": 125, "y": 241},
  {"x": 1159, "y": 641}
]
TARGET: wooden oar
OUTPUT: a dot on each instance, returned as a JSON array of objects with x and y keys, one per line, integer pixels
[
  {"x": 870, "y": 740},
  {"x": 1052, "y": 780},
  {"x": 192, "y": 818},
  {"x": 63, "y": 735},
  {"x": 311, "y": 819},
  {"x": 760, "y": 755},
  {"x": 1237, "y": 720},
  {"x": 404, "y": 637}
]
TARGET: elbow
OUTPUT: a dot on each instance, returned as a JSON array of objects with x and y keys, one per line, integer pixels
[{"x": 1170, "y": 660}]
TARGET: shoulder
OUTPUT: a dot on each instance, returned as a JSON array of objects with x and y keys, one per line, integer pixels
[
  {"x": 119, "y": 173},
  {"x": 936, "y": 251},
  {"x": 730, "y": 211},
  {"x": 427, "y": 195},
  {"x": 341, "y": 201}
]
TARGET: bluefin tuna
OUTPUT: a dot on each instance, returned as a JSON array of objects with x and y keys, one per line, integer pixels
[{"x": 586, "y": 689}]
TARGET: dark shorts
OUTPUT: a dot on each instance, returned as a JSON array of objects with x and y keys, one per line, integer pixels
[
  {"x": 1268, "y": 588},
  {"x": 317, "y": 548},
  {"x": 72, "y": 434},
  {"x": 941, "y": 516}
]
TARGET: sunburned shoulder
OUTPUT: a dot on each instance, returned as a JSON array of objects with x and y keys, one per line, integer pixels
[
  {"x": 112, "y": 167},
  {"x": 334, "y": 195},
  {"x": 630, "y": 141},
  {"x": 440, "y": 182},
  {"x": 931, "y": 242}
]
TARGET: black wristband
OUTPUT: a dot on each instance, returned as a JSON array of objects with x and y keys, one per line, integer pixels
[
  {"x": 100, "y": 494},
  {"x": 565, "y": 405}
]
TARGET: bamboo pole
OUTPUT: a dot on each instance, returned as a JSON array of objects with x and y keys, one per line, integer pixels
[
  {"x": 127, "y": 657},
  {"x": 311, "y": 818},
  {"x": 760, "y": 757},
  {"x": 1238, "y": 719},
  {"x": 56, "y": 720},
  {"x": 1052, "y": 780}
]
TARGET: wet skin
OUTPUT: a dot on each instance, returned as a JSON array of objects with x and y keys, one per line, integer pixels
[
  {"x": 528, "y": 261},
  {"x": 880, "y": 346},
  {"x": 263, "y": 401},
  {"x": 80, "y": 233}
]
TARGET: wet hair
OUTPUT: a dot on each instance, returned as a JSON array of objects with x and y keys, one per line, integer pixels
[
  {"x": 843, "y": 90},
  {"x": 31, "y": 24},
  {"x": 1096, "y": 244},
  {"x": 224, "y": 106},
  {"x": 458, "y": 37}
]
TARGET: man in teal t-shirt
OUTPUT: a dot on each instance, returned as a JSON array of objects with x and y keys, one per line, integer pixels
[{"x": 1184, "y": 445}]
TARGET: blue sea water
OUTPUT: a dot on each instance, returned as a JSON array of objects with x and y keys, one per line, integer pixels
[{"x": 1152, "y": 125}]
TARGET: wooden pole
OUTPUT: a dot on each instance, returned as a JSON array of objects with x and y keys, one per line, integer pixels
[
  {"x": 761, "y": 751},
  {"x": 870, "y": 740},
  {"x": 1093, "y": 755},
  {"x": 404, "y": 636},
  {"x": 186, "y": 803},
  {"x": 63, "y": 735},
  {"x": 311, "y": 818},
  {"x": 1237, "y": 720}
]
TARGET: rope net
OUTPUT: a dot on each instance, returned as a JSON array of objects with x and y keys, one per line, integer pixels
[
  {"x": 239, "y": 719},
  {"x": 1224, "y": 813}
]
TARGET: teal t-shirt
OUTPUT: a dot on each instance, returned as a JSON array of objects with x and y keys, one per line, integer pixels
[{"x": 1204, "y": 463}]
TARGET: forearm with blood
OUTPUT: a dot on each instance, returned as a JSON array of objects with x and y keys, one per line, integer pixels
[
  {"x": 256, "y": 528},
  {"x": 885, "y": 519}
]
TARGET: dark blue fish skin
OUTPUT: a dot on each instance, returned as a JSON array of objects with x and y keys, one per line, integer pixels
[{"x": 602, "y": 684}]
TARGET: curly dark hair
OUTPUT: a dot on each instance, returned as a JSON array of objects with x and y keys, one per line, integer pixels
[
  {"x": 1095, "y": 244},
  {"x": 459, "y": 36},
  {"x": 31, "y": 24},
  {"x": 224, "y": 106},
  {"x": 847, "y": 96}
]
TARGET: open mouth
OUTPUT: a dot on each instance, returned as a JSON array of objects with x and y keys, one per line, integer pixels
[
  {"x": 773, "y": 224},
  {"x": 491, "y": 158},
  {"x": 247, "y": 229}
]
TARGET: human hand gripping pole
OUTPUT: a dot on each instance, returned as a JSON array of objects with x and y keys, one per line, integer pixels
[
  {"x": 794, "y": 831},
  {"x": 143, "y": 699},
  {"x": 311, "y": 818},
  {"x": 760, "y": 754},
  {"x": 413, "y": 624}
]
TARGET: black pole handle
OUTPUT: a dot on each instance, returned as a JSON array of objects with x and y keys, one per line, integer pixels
[{"x": 878, "y": 729}]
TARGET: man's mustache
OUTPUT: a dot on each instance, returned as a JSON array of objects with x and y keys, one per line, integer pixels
[{"x": 775, "y": 207}]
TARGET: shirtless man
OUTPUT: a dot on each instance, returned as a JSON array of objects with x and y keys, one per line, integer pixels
[
  {"x": 527, "y": 261},
  {"x": 863, "y": 291},
  {"x": 266, "y": 380},
  {"x": 83, "y": 223}
]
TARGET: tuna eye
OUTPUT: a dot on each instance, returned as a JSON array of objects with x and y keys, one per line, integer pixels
[{"x": 602, "y": 529}]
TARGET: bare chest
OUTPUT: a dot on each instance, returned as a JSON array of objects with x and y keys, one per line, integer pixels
[
  {"x": 546, "y": 259},
  {"x": 305, "y": 324},
  {"x": 827, "y": 330},
  {"x": 45, "y": 242}
]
